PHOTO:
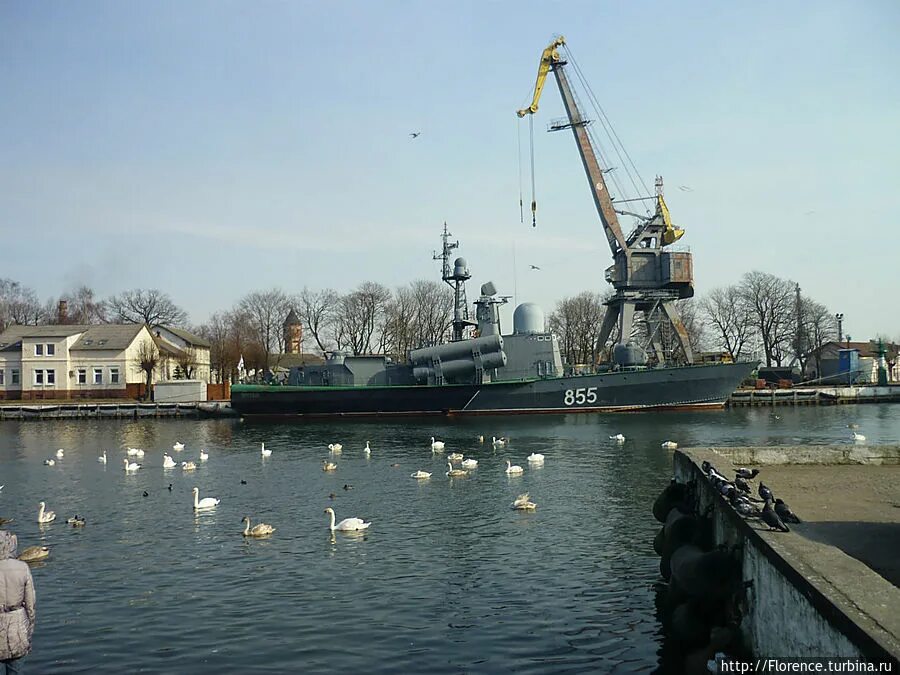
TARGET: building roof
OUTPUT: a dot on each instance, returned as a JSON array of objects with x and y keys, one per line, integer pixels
[
  {"x": 292, "y": 318},
  {"x": 114, "y": 336},
  {"x": 288, "y": 361},
  {"x": 869, "y": 348},
  {"x": 16, "y": 332},
  {"x": 188, "y": 337},
  {"x": 166, "y": 347}
]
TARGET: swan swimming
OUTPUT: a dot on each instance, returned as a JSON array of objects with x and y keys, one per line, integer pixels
[
  {"x": 858, "y": 437},
  {"x": 536, "y": 458},
  {"x": 102, "y": 458},
  {"x": 258, "y": 530},
  {"x": 437, "y": 446},
  {"x": 499, "y": 442},
  {"x": 204, "y": 455},
  {"x": 60, "y": 453},
  {"x": 130, "y": 467},
  {"x": 188, "y": 466},
  {"x": 328, "y": 466},
  {"x": 670, "y": 445},
  {"x": 420, "y": 475},
  {"x": 135, "y": 452},
  {"x": 45, "y": 516},
  {"x": 205, "y": 503},
  {"x": 455, "y": 473},
  {"x": 49, "y": 462},
  {"x": 455, "y": 457},
  {"x": 513, "y": 469},
  {"x": 335, "y": 448},
  {"x": 470, "y": 463},
  {"x": 480, "y": 439},
  {"x": 263, "y": 451},
  {"x": 618, "y": 438},
  {"x": 76, "y": 521},
  {"x": 178, "y": 447},
  {"x": 523, "y": 503},
  {"x": 168, "y": 462},
  {"x": 367, "y": 449},
  {"x": 347, "y": 524}
]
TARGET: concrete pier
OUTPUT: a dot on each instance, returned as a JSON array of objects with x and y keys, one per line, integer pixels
[
  {"x": 829, "y": 586},
  {"x": 833, "y": 395},
  {"x": 123, "y": 410}
]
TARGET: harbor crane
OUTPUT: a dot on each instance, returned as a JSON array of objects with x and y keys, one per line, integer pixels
[{"x": 647, "y": 278}]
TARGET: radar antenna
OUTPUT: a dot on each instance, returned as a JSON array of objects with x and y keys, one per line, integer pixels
[{"x": 455, "y": 276}]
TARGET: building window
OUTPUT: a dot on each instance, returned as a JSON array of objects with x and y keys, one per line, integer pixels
[
  {"x": 14, "y": 376},
  {"x": 39, "y": 377},
  {"x": 51, "y": 377},
  {"x": 114, "y": 376},
  {"x": 2, "y": 374},
  {"x": 82, "y": 376},
  {"x": 51, "y": 350},
  {"x": 39, "y": 350},
  {"x": 98, "y": 375}
]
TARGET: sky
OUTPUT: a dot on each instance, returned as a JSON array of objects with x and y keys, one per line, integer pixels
[{"x": 210, "y": 149}]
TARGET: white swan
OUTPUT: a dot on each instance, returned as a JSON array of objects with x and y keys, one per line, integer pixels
[
  {"x": 421, "y": 475},
  {"x": 347, "y": 524},
  {"x": 455, "y": 457},
  {"x": 480, "y": 439},
  {"x": 456, "y": 473},
  {"x": 670, "y": 445},
  {"x": 168, "y": 462},
  {"x": 470, "y": 463},
  {"x": 204, "y": 455},
  {"x": 367, "y": 449},
  {"x": 258, "y": 530},
  {"x": 618, "y": 438},
  {"x": 536, "y": 458},
  {"x": 102, "y": 458},
  {"x": 335, "y": 448},
  {"x": 524, "y": 503},
  {"x": 130, "y": 467},
  {"x": 188, "y": 466},
  {"x": 513, "y": 469},
  {"x": 49, "y": 462},
  {"x": 328, "y": 466},
  {"x": 45, "y": 516},
  {"x": 178, "y": 447},
  {"x": 60, "y": 453},
  {"x": 858, "y": 437},
  {"x": 263, "y": 451},
  {"x": 205, "y": 503},
  {"x": 134, "y": 452},
  {"x": 499, "y": 442},
  {"x": 437, "y": 446}
]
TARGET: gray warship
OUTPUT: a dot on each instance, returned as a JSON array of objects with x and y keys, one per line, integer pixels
[{"x": 522, "y": 371}]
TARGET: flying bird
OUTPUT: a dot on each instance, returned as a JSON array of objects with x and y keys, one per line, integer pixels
[
  {"x": 534, "y": 267},
  {"x": 415, "y": 134},
  {"x": 685, "y": 188}
]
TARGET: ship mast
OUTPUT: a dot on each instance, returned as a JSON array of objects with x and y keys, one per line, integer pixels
[{"x": 455, "y": 277}]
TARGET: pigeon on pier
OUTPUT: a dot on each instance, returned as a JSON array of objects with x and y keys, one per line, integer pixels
[
  {"x": 771, "y": 518},
  {"x": 748, "y": 474},
  {"x": 742, "y": 485},
  {"x": 706, "y": 466},
  {"x": 784, "y": 512},
  {"x": 765, "y": 493}
]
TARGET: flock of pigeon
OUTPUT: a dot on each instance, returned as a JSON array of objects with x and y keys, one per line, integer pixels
[{"x": 775, "y": 512}]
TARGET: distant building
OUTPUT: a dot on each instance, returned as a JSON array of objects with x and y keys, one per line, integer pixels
[
  {"x": 183, "y": 355},
  {"x": 71, "y": 361},
  {"x": 822, "y": 362},
  {"x": 293, "y": 334}
]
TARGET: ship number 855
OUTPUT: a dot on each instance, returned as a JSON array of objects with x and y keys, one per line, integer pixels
[{"x": 580, "y": 396}]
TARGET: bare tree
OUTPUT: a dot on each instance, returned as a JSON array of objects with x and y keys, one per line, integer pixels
[
  {"x": 360, "y": 314},
  {"x": 819, "y": 330},
  {"x": 576, "y": 322},
  {"x": 218, "y": 331},
  {"x": 84, "y": 307},
  {"x": 151, "y": 307},
  {"x": 770, "y": 301},
  {"x": 727, "y": 315},
  {"x": 147, "y": 359},
  {"x": 19, "y": 305},
  {"x": 317, "y": 310},
  {"x": 265, "y": 311},
  {"x": 417, "y": 315},
  {"x": 186, "y": 361}
]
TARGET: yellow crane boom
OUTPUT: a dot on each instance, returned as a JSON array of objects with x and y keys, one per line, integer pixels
[{"x": 548, "y": 58}]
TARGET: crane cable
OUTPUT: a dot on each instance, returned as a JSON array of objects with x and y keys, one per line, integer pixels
[
  {"x": 533, "y": 195},
  {"x": 519, "y": 146}
]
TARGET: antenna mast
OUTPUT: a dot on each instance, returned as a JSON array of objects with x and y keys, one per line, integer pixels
[{"x": 455, "y": 276}]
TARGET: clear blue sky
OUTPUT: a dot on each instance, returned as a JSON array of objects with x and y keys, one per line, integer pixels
[{"x": 214, "y": 148}]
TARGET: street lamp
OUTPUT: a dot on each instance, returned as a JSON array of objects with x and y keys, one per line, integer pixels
[{"x": 840, "y": 323}]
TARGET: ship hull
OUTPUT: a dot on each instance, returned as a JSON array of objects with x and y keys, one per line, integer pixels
[{"x": 672, "y": 388}]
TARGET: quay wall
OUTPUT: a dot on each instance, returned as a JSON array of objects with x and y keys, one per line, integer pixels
[{"x": 789, "y": 607}]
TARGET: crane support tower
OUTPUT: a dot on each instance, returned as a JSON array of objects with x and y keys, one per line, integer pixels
[
  {"x": 646, "y": 277},
  {"x": 455, "y": 277}
]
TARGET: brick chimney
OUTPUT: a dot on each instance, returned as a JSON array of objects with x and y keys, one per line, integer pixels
[{"x": 62, "y": 312}]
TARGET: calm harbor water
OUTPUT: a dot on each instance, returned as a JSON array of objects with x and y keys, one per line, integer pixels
[{"x": 448, "y": 578}]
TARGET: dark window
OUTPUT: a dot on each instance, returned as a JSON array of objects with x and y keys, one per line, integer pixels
[{"x": 51, "y": 350}]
